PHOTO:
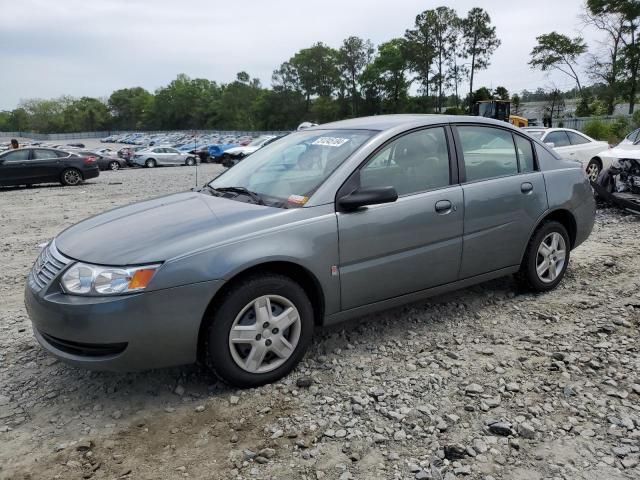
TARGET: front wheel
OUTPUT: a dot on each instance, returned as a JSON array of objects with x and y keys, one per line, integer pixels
[
  {"x": 150, "y": 163},
  {"x": 71, "y": 177},
  {"x": 547, "y": 257},
  {"x": 593, "y": 169},
  {"x": 260, "y": 331},
  {"x": 114, "y": 165},
  {"x": 190, "y": 162}
]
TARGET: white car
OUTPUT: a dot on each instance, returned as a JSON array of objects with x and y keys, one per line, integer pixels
[
  {"x": 632, "y": 138},
  {"x": 155, "y": 156},
  {"x": 575, "y": 146},
  {"x": 239, "y": 152}
]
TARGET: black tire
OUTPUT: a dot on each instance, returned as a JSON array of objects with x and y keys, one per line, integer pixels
[
  {"x": 71, "y": 177},
  {"x": 528, "y": 275},
  {"x": 150, "y": 163},
  {"x": 113, "y": 165},
  {"x": 231, "y": 304},
  {"x": 594, "y": 167},
  {"x": 190, "y": 162}
]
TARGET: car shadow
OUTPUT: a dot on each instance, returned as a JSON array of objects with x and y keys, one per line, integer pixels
[{"x": 39, "y": 186}]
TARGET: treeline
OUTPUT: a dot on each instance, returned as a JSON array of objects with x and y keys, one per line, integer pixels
[
  {"x": 420, "y": 72},
  {"x": 320, "y": 83}
]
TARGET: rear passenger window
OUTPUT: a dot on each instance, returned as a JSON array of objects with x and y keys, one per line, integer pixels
[
  {"x": 576, "y": 139},
  {"x": 559, "y": 139},
  {"x": 488, "y": 152},
  {"x": 39, "y": 154},
  {"x": 525, "y": 154},
  {"x": 413, "y": 163}
]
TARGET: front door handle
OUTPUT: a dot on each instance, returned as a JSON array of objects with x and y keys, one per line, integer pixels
[
  {"x": 526, "y": 187},
  {"x": 443, "y": 207}
]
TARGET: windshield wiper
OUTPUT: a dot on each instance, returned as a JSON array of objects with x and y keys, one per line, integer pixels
[{"x": 241, "y": 191}]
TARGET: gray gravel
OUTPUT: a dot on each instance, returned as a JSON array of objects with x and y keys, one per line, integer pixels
[{"x": 485, "y": 383}]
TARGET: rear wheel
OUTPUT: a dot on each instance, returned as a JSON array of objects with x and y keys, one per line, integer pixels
[
  {"x": 547, "y": 257},
  {"x": 71, "y": 177},
  {"x": 260, "y": 331},
  {"x": 593, "y": 169},
  {"x": 150, "y": 163},
  {"x": 114, "y": 165}
]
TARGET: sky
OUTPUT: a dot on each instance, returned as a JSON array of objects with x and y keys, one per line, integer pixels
[{"x": 50, "y": 48}]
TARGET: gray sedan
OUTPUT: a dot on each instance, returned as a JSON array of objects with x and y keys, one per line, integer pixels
[
  {"x": 156, "y": 156},
  {"x": 328, "y": 223}
]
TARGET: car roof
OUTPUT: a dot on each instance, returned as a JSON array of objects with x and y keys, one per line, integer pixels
[{"x": 387, "y": 122}]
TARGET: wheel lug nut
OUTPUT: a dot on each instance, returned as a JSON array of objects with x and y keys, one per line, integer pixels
[
  {"x": 258, "y": 337},
  {"x": 265, "y": 325},
  {"x": 268, "y": 342},
  {"x": 274, "y": 331}
]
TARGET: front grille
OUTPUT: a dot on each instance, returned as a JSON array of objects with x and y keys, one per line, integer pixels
[
  {"x": 47, "y": 267},
  {"x": 85, "y": 349}
]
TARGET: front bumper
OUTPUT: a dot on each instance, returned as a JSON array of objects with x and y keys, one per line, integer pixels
[{"x": 121, "y": 333}]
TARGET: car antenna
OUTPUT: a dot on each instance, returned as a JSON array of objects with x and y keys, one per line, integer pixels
[{"x": 196, "y": 150}]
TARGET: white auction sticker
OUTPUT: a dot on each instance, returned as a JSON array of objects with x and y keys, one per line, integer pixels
[{"x": 330, "y": 141}]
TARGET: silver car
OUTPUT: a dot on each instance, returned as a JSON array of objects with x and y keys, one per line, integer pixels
[
  {"x": 328, "y": 223},
  {"x": 155, "y": 156}
]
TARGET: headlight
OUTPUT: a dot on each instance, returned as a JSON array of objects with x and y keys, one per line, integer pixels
[{"x": 84, "y": 279}]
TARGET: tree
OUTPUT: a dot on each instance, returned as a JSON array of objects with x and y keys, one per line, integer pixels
[
  {"x": 456, "y": 72},
  {"x": 419, "y": 49},
  {"x": 480, "y": 42},
  {"x": 501, "y": 93},
  {"x": 445, "y": 23},
  {"x": 516, "y": 102},
  {"x": 316, "y": 70},
  {"x": 559, "y": 52},
  {"x": 387, "y": 76},
  {"x": 605, "y": 65},
  {"x": 626, "y": 14},
  {"x": 353, "y": 57},
  {"x": 130, "y": 106},
  {"x": 86, "y": 115}
]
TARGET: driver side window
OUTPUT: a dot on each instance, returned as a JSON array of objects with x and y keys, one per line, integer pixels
[{"x": 413, "y": 163}]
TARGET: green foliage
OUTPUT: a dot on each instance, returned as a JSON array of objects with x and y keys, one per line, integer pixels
[
  {"x": 130, "y": 107},
  {"x": 480, "y": 41},
  {"x": 597, "y": 129},
  {"x": 501, "y": 93},
  {"x": 619, "y": 128},
  {"x": 559, "y": 52}
]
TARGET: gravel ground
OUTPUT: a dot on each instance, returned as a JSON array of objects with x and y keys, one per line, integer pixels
[{"x": 485, "y": 383}]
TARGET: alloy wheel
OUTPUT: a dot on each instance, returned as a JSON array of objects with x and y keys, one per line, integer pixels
[
  {"x": 551, "y": 257},
  {"x": 114, "y": 166},
  {"x": 72, "y": 177},
  {"x": 265, "y": 334},
  {"x": 593, "y": 171}
]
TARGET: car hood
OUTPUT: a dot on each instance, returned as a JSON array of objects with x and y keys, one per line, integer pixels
[
  {"x": 159, "y": 229},
  {"x": 623, "y": 151}
]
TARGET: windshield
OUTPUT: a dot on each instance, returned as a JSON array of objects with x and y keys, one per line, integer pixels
[{"x": 288, "y": 171}]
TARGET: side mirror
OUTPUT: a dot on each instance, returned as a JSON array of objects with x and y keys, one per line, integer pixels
[
  {"x": 367, "y": 196},
  {"x": 550, "y": 144}
]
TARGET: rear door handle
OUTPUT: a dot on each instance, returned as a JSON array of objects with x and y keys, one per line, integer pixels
[
  {"x": 526, "y": 187},
  {"x": 443, "y": 207}
]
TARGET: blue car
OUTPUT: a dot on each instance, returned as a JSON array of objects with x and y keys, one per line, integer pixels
[{"x": 216, "y": 151}]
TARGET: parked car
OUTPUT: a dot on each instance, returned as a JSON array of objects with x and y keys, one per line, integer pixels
[
  {"x": 574, "y": 145},
  {"x": 620, "y": 183},
  {"x": 216, "y": 152},
  {"x": 308, "y": 231},
  {"x": 157, "y": 156},
  {"x": 31, "y": 166},
  {"x": 105, "y": 162},
  {"x": 632, "y": 138},
  {"x": 243, "y": 151}
]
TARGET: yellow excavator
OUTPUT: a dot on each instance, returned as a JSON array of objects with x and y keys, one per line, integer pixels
[{"x": 499, "y": 110}]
